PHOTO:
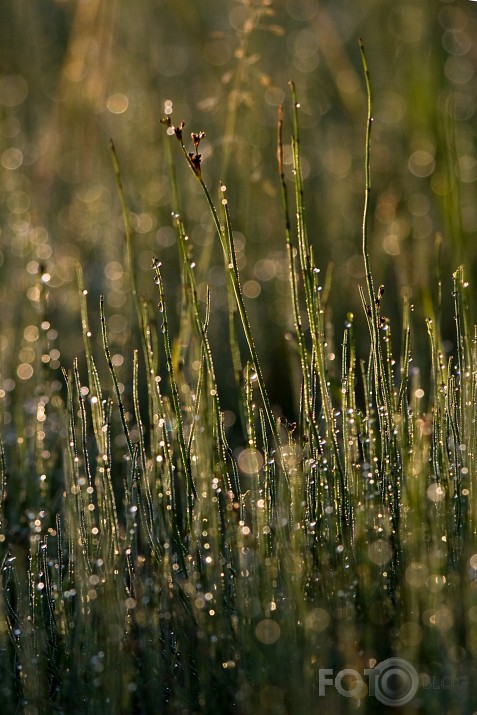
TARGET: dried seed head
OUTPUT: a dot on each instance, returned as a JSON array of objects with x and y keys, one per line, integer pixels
[
  {"x": 178, "y": 130},
  {"x": 196, "y": 138},
  {"x": 195, "y": 160}
]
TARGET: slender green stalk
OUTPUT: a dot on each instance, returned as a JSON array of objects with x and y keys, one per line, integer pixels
[
  {"x": 304, "y": 361},
  {"x": 315, "y": 311},
  {"x": 226, "y": 238},
  {"x": 3, "y": 485},
  {"x": 367, "y": 188},
  {"x": 230, "y": 254},
  {"x": 383, "y": 377},
  {"x": 201, "y": 329},
  {"x": 122, "y": 411},
  {"x": 191, "y": 490},
  {"x": 94, "y": 383}
]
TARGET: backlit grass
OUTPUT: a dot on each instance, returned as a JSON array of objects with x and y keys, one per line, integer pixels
[
  {"x": 237, "y": 408},
  {"x": 163, "y": 554}
]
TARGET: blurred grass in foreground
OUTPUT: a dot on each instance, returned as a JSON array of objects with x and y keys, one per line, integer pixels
[{"x": 77, "y": 73}]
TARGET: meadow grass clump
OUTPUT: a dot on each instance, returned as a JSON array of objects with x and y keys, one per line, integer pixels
[{"x": 149, "y": 566}]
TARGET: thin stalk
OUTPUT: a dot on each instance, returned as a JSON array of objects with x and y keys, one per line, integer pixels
[
  {"x": 3, "y": 485},
  {"x": 404, "y": 367},
  {"x": 137, "y": 410},
  {"x": 122, "y": 411},
  {"x": 191, "y": 490},
  {"x": 383, "y": 387},
  {"x": 235, "y": 277},
  {"x": 226, "y": 239},
  {"x": 200, "y": 381},
  {"x": 184, "y": 257},
  {"x": 93, "y": 376},
  {"x": 314, "y": 307},
  {"x": 305, "y": 369},
  {"x": 201, "y": 328},
  {"x": 84, "y": 424},
  {"x": 367, "y": 192}
]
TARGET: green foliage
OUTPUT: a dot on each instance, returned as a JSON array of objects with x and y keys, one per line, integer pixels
[
  {"x": 170, "y": 541},
  {"x": 164, "y": 571}
]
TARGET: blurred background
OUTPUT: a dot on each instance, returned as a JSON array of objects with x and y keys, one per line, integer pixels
[{"x": 76, "y": 72}]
